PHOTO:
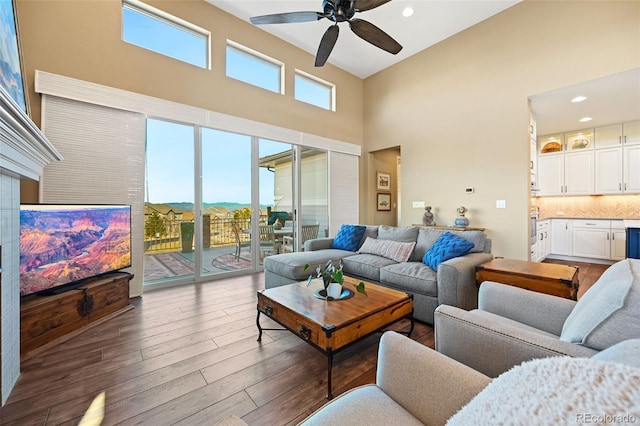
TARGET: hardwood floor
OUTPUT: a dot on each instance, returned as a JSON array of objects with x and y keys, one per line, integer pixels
[
  {"x": 588, "y": 273},
  {"x": 189, "y": 356}
]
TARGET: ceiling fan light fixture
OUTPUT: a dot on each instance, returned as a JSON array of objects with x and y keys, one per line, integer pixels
[{"x": 408, "y": 11}]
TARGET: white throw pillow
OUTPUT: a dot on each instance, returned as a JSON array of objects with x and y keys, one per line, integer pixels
[{"x": 609, "y": 312}]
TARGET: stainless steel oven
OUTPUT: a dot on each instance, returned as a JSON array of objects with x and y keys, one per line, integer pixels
[{"x": 533, "y": 217}]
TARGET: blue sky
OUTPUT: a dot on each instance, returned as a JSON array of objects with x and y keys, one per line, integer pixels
[{"x": 226, "y": 157}]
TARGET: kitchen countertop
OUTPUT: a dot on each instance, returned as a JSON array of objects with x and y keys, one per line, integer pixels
[{"x": 628, "y": 223}]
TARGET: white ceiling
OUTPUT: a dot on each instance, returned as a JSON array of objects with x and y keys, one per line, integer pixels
[
  {"x": 611, "y": 99},
  {"x": 432, "y": 22}
]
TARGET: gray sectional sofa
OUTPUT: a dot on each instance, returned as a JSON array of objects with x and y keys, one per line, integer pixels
[{"x": 453, "y": 283}]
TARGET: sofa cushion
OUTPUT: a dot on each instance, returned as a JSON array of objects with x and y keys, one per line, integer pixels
[
  {"x": 390, "y": 249},
  {"x": 291, "y": 265},
  {"x": 415, "y": 277},
  {"x": 365, "y": 265},
  {"x": 446, "y": 247},
  {"x": 428, "y": 236},
  {"x": 625, "y": 352},
  {"x": 405, "y": 234},
  {"x": 349, "y": 237},
  {"x": 609, "y": 312}
]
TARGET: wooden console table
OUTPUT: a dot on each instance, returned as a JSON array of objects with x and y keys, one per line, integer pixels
[
  {"x": 449, "y": 228},
  {"x": 48, "y": 319},
  {"x": 549, "y": 278}
]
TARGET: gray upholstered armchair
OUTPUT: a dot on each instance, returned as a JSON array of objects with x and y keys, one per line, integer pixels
[{"x": 512, "y": 325}]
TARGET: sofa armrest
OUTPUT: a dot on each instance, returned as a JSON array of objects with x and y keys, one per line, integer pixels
[
  {"x": 491, "y": 346},
  {"x": 318, "y": 244},
  {"x": 429, "y": 385},
  {"x": 456, "y": 279},
  {"x": 538, "y": 310}
]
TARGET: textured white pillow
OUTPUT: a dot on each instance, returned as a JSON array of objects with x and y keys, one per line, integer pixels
[
  {"x": 557, "y": 391},
  {"x": 393, "y": 250},
  {"x": 609, "y": 312}
]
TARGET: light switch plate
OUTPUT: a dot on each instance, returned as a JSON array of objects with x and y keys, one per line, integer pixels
[{"x": 418, "y": 204}]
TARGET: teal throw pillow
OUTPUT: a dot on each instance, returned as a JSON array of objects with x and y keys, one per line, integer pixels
[
  {"x": 349, "y": 237},
  {"x": 446, "y": 247}
]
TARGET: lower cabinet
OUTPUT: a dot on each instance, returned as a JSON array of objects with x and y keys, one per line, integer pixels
[
  {"x": 543, "y": 243},
  {"x": 592, "y": 238},
  {"x": 595, "y": 239}
]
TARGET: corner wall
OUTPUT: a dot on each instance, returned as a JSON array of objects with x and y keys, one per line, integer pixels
[{"x": 459, "y": 110}]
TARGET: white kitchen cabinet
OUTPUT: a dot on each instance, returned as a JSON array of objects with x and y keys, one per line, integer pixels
[
  {"x": 631, "y": 169},
  {"x": 608, "y": 136},
  {"x": 631, "y": 133},
  {"x": 608, "y": 170},
  {"x": 550, "y": 175},
  {"x": 579, "y": 173},
  {"x": 618, "y": 240},
  {"x": 561, "y": 241},
  {"x": 592, "y": 238},
  {"x": 543, "y": 242}
]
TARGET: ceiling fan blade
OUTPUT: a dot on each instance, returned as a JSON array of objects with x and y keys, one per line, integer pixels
[
  {"x": 286, "y": 18},
  {"x": 374, "y": 35},
  {"x": 362, "y": 5},
  {"x": 326, "y": 45}
]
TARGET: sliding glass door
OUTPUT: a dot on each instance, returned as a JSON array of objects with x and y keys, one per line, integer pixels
[{"x": 218, "y": 203}]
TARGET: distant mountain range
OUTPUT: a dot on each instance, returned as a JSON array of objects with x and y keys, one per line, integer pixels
[{"x": 188, "y": 207}]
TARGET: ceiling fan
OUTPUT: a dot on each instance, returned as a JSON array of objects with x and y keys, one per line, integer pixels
[{"x": 337, "y": 11}]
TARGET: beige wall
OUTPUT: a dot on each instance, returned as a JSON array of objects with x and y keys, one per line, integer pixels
[
  {"x": 459, "y": 112},
  {"x": 82, "y": 39}
]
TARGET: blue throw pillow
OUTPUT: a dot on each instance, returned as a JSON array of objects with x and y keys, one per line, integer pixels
[
  {"x": 446, "y": 247},
  {"x": 349, "y": 237}
]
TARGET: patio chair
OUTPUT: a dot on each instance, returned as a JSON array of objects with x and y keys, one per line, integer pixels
[
  {"x": 268, "y": 243},
  {"x": 308, "y": 232},
  {"x": 240, "y": 243}
]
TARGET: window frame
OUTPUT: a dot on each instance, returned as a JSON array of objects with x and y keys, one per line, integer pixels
[
  {"x": 261, "y": 57},
  {"x": 171, "y": 20},
  {"x": 320, "y": 82}
]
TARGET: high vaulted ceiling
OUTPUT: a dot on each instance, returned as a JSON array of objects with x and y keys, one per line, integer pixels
[{"x": 432, "y": 22}]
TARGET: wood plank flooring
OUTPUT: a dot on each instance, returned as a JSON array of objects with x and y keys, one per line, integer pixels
[{"x": 189, "y": 356}]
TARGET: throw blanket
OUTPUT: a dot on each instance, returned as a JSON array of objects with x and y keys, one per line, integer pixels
[{"x": 557, "y": 391}]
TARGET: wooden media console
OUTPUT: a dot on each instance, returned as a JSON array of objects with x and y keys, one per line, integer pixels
[{"x": 46, "y": 320}]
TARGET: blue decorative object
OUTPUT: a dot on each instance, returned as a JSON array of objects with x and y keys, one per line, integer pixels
[
  {"x": 349, "y": 237},
  {"x": 446, "y": 247},
  {"x": 461, "y": 220}
]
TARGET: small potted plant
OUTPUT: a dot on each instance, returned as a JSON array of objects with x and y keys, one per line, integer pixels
[{"x": 333, "y": 280}]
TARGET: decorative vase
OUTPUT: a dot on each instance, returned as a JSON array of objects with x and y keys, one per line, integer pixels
[
  {"x": 334, "y": 290},
  {"x": 462, "y": 221}
]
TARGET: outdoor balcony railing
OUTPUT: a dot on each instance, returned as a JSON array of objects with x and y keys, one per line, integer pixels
[{"x": 164, "y": 235}]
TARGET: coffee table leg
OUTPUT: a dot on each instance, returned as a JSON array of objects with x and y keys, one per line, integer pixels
[
  {"x": 258, "y": 324},
  {"x": 329, "y": 367},
  {"x": 410, "y": 327}
]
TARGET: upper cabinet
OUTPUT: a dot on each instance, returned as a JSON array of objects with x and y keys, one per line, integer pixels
[
  {"x": 579, "y": 141},
  {"x": 617, "y": 135},
  {"x": 608, "y": 164},
  {"x": 551, "y": 144}
]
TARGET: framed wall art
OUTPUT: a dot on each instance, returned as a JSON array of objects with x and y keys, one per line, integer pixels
[
  {"x": 383, "y": 181},
  {"x": 11, "y": 79},
  {"x": 384, "y": 202}
]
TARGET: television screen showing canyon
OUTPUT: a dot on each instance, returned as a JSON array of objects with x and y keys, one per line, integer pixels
[{"x": 66, "y": 244}]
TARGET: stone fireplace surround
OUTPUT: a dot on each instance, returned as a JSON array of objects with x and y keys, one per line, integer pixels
[{"x": 24, "y": 151}]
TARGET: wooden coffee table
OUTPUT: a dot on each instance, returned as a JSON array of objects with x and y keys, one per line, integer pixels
[{"x": 331, "y": 326}]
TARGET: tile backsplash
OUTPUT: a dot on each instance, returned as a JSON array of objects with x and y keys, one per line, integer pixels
[{"x": 592, "y": 207}]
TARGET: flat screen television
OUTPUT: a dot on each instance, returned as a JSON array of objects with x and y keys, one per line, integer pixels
[{"x": 61, "y": 246}]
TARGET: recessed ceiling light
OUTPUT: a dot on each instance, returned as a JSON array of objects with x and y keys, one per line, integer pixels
[
  {"x": 578, "y": 99},
  {"x": 407, "y": 11},
  {"x": 585, "y": 119}
]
